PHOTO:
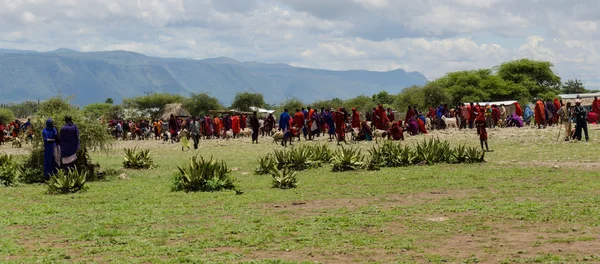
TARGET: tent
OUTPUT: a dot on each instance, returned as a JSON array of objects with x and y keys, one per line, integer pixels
[
  {"x": 174, "y": 109},
  {"x": 509, "y": 105},
  {"x": 261, "y": 111}
]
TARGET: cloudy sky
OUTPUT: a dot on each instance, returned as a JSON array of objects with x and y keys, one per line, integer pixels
[{"x": 429, "y": 36}]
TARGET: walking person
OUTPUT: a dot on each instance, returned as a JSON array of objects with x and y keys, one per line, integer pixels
[
  {"x": 565, "y": 117},
  {"x": 69, "y": 143},
  {"x": 195, "y": 131},
  {"x": 284, "y": 126},
  {"x": 580, "y": 116},
  {"x": 255, "y": 126}
]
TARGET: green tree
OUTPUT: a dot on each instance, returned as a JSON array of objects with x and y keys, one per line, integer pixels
[
  {"x": 200, "y": 104},
  {"x": 95, "y": 111},
  {"x": 291, "y": 105},
  {"x": 362, "y": 103},
  {"x": 153, "y": 104},
  {"x": 109, "y": 101},
  {"x": 573, "y": 87},
  {"x": 411, "y": 96},
  {"x": 243, "y": 101},
  {"x": 383, "y": 97},
  {"x": 24, "y": 109},
  {"x": 535, "y": 76},
  {"x": 435, "y": 95},
  {"x": 6, "y": 116}
]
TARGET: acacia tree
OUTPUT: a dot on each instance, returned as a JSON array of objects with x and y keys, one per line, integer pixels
[
  {"x": 153, "y": 104},
  {"x": 200, "y": 104},
  {"x": 573, "y": 87},
  {"x": 243, "y": 101},
  {"x": 535, "y": 76}
]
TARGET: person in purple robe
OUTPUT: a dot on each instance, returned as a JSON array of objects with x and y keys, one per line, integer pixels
[
  {"x": 413, "y": 126},
  {"x": 69, "y": 143},
  {"x": 227, "y": 123},
  {"x": 51, "y": 150}
]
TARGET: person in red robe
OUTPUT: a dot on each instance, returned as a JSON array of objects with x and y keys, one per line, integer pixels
[
  {"x": 518, "y": 109},
  {"x": 396, "y": 133},
  {"x": 384, "y": 118},
  {"x": 422, "y": 128},
  {"x": 309, "y": 122},
  {"x": 235, "y": 125},
  {"x": 339, "y": 118},
  {"x": 391, "y": 116},
  {"x": 592, "y": 118},
  {"x": 410, "y": 114},
  {"x": 556, "y": 108},
  {"x": 298, "y": 122},
  {"x": 495, "y": 115},
  {"x": 243, "y": 122},
  {"x": 355, "y": 119},
  {"x": 596, "y": 106},
  {"x": 540, "y": 114},
  {"x": 472, "y": 116}
]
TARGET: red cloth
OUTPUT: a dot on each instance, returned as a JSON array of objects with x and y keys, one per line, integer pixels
[
  {"x": 431, "y": 113},
  {"x": 384, "y": 118},
  {"x": 235, "y": 124},
  {"x": 518, "y": 109},
  {"x": 396, "y": 132},
  {"x": 540, "y": 114},
  {"x": 310, "y": 120},
  {"x": 480, "y": 115},
  {"x": 482, "y": 131},
  {"x": 495, "y": 114},
  {"x": 472, "y": 111},
  {"x": 464, "y": 112},
  {"x": 556, "y": 105},
  {"x": 340, "y": 125},
  {"x": 422, "y": 126},
  {"x": 592, "y": 118},
  {"x": 596, "y": 106},
  {"x": 243, "y": 122},
  {"x": 411, "y": 113},
  {"x": 298, "y": 119},
  {"x": 391, "y": 116},
  {"x": 377, "y": 121},
  {"x": 293, "y": 130},
  {"x": 355, "y": 119}
]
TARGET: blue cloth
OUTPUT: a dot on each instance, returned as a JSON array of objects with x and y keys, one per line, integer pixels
[
  {"x": 50, "y": 136},
  {"x": 330, "y": 123},
  {"x": 440, "y": 112},
  {"x": 284, "y": 121},
  {"x": 423, "y": 118},
  {"x": 527, "y": 114},
  {"x": 69, "y": 140}
]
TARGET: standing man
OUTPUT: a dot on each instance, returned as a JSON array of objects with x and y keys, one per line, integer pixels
[
  {"x": 565, "y": 116},
  {"x": 540, "y": 114},
  {"x": 355, "y": 119},
  {"x": 50, "y": 136},
  {"x": 195, "y": 131},
  {"x": 340, "y": 125},
  {"x": 549, "y": 112},
  {"x": 69, "y": 143},
  {"x": 596, "y": 106},
  {"x": 284, "y": 126},
  {"x": 299, "y": 122},
  {"x": 391, "y": 115},
  {"x": 580, "y": 120},
  {"x": 235, "y": 125},
  {"x": 255, "y": 126}
]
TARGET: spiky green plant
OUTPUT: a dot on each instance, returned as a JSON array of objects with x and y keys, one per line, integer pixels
[
  {"x": 137, "y": 160},
  {"x": 460, "y": 154},
  {"x": 266, "y": 164},
  {"x": 71, "y": 181},
  {"x": 347, "y": 159},
  {"x": 30, "y": 175},
  {"x": 321, "y": 153},
  {"x": 284, "y": 179},
  {"x": 475, "y": 155},
  {"x": 8, "y": 170},
  {"x": 203, "y": 175},
  {"x": 6, "y": 159}
]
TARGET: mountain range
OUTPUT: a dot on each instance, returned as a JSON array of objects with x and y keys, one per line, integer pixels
[{"x": 94, "y": 76}]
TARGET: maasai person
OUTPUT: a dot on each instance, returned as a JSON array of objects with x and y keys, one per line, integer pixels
[
  {"x": 195, "y": 131},
  {"x": 2, "y": 127},
  {"x": 483, "y": 136},
  {"x": 184, "y": 138},
  {"x": 51, "y": 149},
  {"x": 340, "y": 125},
  {"x": 365, "y": 132},
  {"x": 355, "y": 119},
  {"x": 391, "y": 116},
  {"x": 377, "y": 121},
  {"x": 208, "y": 127},
  {"x": 385, "y": 121},
  {"x": 270, "y": 124},
  {"x": 157, "y": 126},
  {"x": 549, "y": 112},
  {"x": 330, "y": 124},
  {"x": 557, "y": 106},
  {"x": 396, "y": 132},
  {"x": 243, "y": 122},
  {"x": 312, "y": 123},
  {"x": 235, "y": 125},
  {"x": 580, "y": 115},
  {"x": 69, "y": 143},
  {"x": 592, "y": 118},
  {"x": 410, "y": 113},
  {"x": 596, "y": 106},
  {"x": 298, "y": 121},
  {"x": 421, "y": 124},
  {"x": 284, "y": 126},
  {"x": 565, "y": 117},
  {"x": 503, "y": 112},
  {"x": 472, "y": 116},
  {"x": 496, "y": 116},
  {"x": 172, "y": 127},
  {"x": 217, "y": 126},
  {"x": 255, "y": 126},
  {"x": 369, "y": 116},
  {"x": 527, "y": 114},
  {"x": 540, "y": 114},
  {"x": 518, "y": 110},
  {"x": 413, "y": 126}
]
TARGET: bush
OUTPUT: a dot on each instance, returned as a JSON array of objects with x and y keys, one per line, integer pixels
[
  {"x": 347, "y": 159},
  {"x": 284, "y": 179},
  {"x": 266, "y": 165},
  {"x": 391, "y": 154},
  {"x": 321, "y": 153},
  {"x": 433, "y": 151},
  {"x": 8, "y": 170},
  {"x": 298, "y": 158},
  {"x": 203, "y": 175},
  {"x": 475, "y": 155},
  {"x": 63, "y": 182},
  {"x": 29, "y": 175},
  {"x": 6, "y": 115},
  {"x": 137, "y": 160}
]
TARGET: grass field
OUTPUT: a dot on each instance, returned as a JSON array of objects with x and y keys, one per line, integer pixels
[{"x": 535, "y": 200}]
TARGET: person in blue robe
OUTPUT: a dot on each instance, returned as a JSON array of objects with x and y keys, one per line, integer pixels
[
  {"x": 50, "y": 137},
  {"x": 69, "y": 143}
]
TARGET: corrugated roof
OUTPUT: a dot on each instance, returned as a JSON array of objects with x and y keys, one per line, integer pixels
[{"x": 495, "y": 103}]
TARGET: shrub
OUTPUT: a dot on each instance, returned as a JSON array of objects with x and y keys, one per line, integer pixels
[
  {"x": 460, "y": 154},
  {"x": 8, "y": 170},
  {"x": 30, "y": 175},
  {"x": 203, "y": 175},
  {"x": 63, "y": 182},
  {"x": 266, "y": 165},
  {"x": 298, "y": 158},
  {"x": 391, "y": 154},
  {"x": 137, "y": 160},
  {"x": 284, "y": 179},
  {"x": 321, "y": 153},
  {"x": 346, "y": 159},
  {"x": 433, "y": 151},
  {"x": 475, "y": 155}
]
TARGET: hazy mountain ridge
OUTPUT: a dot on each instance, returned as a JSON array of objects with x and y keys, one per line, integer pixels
[{"x": 94, "y": 76}]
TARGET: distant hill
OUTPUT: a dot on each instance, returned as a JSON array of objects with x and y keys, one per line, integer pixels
[{"x": 95, "y": 76}]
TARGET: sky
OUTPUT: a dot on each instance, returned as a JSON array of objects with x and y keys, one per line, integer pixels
[{"x": 429, "y": 36}]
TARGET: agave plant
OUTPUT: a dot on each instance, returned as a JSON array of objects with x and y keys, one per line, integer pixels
[
  {"x": 346, "y": 159},
  {"x": 284, "y": 179},
  {"x": 6, "y": 159},
  {"x": 266, "y": 164},
  {"x": 460, "y": 154},
  {"x": 203, "y": 175},
  {"x": 29, "y": 175},
  {"x": 137, "y": 160},
  {"x": 474, "y": 155},
  {"x": 64, "y": 182},
  {"x": 8, "y": 170},
  {"x": 321, "y": 153}
]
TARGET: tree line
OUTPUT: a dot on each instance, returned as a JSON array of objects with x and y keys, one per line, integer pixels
[{"x": 522, "y": 80}]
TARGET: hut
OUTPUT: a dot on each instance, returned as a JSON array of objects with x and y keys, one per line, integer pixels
[
  {"x": 511, "y": 106},
  {"x": 586, "y": 99},
  {"x": 174, "y": 109}
]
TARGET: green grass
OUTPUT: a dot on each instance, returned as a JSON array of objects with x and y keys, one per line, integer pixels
[{"x": 468, "y": 213}]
